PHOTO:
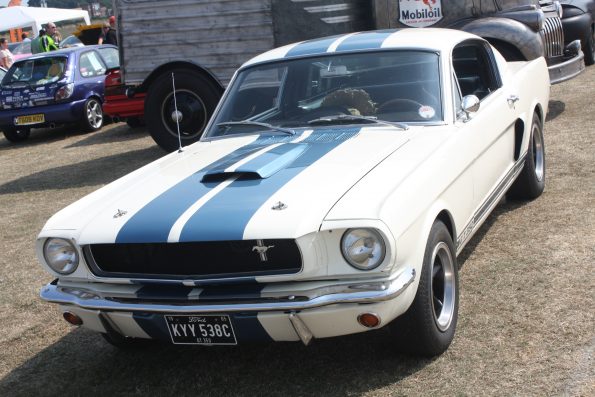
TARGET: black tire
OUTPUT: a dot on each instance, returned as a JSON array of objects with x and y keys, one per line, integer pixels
[
  {"x": 531, "y": 181},
  {"x": 92, "y": 118},
  {"x": 135, "y": 122},
  {"x": 428, "y": 326},
  {"x": 16, "y": 134},
  {"x": 589, "y": 48},
  {"x": 122, "y": 342},
  {"x": 196, "y": 98}
]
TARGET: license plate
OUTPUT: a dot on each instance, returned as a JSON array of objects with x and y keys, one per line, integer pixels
[
  {"x": 30, "y": 119},
  {"x": 201, "y": 330}
]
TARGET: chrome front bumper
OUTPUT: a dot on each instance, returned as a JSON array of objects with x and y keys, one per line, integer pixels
[
  {"x": 335, "y": 293},
  {"x": 571, "y": 68}
]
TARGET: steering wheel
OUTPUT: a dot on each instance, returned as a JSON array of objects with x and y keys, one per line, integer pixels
[{"x": 399, "y": 104}]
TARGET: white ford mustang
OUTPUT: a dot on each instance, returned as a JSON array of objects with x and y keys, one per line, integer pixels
[{"x": 331, "y": 193}]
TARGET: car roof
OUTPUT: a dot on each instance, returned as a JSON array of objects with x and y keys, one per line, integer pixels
[
  {"x": 69, "y": 50},
  {"x": 430, "y": 39}
]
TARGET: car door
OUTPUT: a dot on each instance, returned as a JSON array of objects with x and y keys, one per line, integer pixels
[
  {"x": 491, "y": 129},
  {"x": 92, "y": 72}
]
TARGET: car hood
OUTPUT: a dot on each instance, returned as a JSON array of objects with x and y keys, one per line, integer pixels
[{"x": 234, "y": 188}]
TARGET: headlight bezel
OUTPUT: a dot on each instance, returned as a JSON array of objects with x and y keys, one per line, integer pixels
[
  {"x": 59, "y": 244},
  {"x": 379, "y": 240}
]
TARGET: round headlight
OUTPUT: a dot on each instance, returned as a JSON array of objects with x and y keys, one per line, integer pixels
[
  {"x": 363, "y": 249},
  {"x": 60, "y": 255}
]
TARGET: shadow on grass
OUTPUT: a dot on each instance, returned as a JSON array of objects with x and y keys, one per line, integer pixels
[
  {"x": 82, "y": 363},
  {"x": 555, "y": 109},
  {"x": 502, "y": 208},
  {"x": 41, "y": 136},
  {"x": 87, "y": 173}
]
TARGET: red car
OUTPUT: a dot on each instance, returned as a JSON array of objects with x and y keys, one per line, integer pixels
[{"x": 118, "y": 105}]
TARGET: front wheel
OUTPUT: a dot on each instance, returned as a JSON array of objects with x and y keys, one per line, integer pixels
[
  {"x": 92, "y": 119},
  {"x": 13, "y": 134},
  {"x": 428, "y": 326},
  {"x": 189, "y": 111},
  {"x": 531, "y": 181},
  {"x": 589, "y": 48}
]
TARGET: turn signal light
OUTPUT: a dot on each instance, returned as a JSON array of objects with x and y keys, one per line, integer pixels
[
  {"x": 369, "y": 320},
  {"x": 72, "y": 318}
]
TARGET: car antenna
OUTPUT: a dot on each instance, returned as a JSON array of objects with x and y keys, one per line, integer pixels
[{"x": 177, "y": 114}]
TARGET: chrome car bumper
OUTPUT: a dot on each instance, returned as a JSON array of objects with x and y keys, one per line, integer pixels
[
  {"x": 362, "y": 292},
  {"x": 571, "y": 68}
]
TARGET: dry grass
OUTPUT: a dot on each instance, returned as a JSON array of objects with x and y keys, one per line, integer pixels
[{"x": 526, "y": 319}]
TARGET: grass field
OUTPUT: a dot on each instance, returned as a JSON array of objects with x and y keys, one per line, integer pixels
[{"x": 527, "y": 317}]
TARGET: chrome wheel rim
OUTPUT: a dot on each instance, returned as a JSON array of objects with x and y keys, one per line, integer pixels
[
  {"x": 94, "y": 114},
  {"x": 443, "y": 286},
  {"x": 538, "y": 155}
]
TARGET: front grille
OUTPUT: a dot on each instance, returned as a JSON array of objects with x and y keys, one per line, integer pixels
[
  {"x": 553, "y": 37},
  {"x": 194, "y": 260}
]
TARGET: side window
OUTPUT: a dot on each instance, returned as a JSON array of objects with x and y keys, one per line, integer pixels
[
  {"x": 110, "y": 56},
  {"x": 91, "y": 65},
  {"x": 475, "y": 69}
]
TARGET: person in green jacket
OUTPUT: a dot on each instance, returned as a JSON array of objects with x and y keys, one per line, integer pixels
[
  {"x": 36, "y": 42},
  {"x": 47, "y": 43}
]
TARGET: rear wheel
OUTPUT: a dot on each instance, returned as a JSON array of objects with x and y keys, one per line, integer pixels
[
  {"x": 92, "y": 119},
  {"x": 135, "y": 122},
  {"x": 531, "y": 181},
  {"x": 193, "y": 105},
  {"x": 13, "y": 134},
  {"x": 428, "y": 326}
]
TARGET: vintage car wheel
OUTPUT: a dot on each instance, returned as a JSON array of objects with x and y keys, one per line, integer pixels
[
  {"x": 92, "y": 115},
  {"x": 196, "y": 98},
  {"x": 531, "y": 181},
  {"x": 428, "y": 327},
  {"x": 16, "y": 134},
  {"x": 589, "y": 48}
]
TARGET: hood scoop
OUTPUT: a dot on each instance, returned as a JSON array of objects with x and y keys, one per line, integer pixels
[{"x": 259, "y": 165}]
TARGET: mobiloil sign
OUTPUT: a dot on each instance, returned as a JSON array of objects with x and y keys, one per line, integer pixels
[{"x": 419, "y": 13}]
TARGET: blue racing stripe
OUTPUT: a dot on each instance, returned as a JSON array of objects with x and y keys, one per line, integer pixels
[
  {"x": 154, "y": 221},
  {"x": 365, "y": 41},
  {"x": 226, "y": 215},
  {"x": 311, "y": 47}
]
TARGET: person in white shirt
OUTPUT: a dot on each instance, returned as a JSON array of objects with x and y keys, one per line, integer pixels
[{"x": 6, "y": 58}]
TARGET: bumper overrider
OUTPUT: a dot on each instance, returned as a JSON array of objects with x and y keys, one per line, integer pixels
[{"x": 310, "y": 310}]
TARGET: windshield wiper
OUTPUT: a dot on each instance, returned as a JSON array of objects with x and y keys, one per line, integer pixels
[
  {"x": 257, "y": 124},
  {"x": 350, "y": 117}
]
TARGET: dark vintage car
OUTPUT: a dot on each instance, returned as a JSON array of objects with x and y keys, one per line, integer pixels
[
  {"x": 59, "y": 87},
  {"x": 518, "y": 29},
  {"x": 578, "y": 20}
]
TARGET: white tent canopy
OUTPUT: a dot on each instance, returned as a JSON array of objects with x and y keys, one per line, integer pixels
[{"x": 36, "y": 17}]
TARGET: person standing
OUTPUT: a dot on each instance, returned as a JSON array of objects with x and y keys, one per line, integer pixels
[
  {"x": 53, "y": 32},
  {"x": 25, "y": 37},
  {"x": 46, "y": 42},
  {"x": 108, "y": 33},
  {"x": 6, "y": 58}
]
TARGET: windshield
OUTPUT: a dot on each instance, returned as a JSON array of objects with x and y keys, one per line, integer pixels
[
  {"x": 387, "y": 86},
  {"x": 37, "y": 71}
]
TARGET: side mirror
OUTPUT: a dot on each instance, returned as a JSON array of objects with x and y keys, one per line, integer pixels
[{"x": 469, "y": 105}]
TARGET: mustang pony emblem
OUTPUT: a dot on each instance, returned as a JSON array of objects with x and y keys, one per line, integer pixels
[
  {"x": 262, "y": 250},
  {"x": 120, "y": 213}
]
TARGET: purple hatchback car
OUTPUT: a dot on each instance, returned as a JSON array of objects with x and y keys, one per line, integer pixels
[{"x": 57, "y": 87}]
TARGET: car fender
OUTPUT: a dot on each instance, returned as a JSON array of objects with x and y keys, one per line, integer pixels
[{"x": 506, "y": 30}]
